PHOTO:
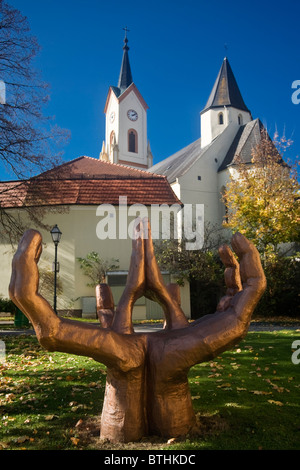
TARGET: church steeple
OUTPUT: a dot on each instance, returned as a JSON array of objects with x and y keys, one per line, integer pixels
[
  {"x": 225, "y": 91},
  {"x": 125, "y": 78},
  {"x": 126, "y": 140},
  {"x": 225, "y": 107}
]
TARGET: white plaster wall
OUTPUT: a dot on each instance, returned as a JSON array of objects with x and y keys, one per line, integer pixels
[
  {"x": 132, "y": 102},
  {"x": 210, "y": 127},
  {"x": 207, "y": 190},
  {"x": 78, "y": 226},
  {"x": 113, "y": 106}
]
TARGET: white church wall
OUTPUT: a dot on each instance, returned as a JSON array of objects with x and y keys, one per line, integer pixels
[
  {"x": 201, "y": 185},
  {"x": 140, "y": 125},
  {"x": 237, "y": 116},
  {"x": 112, "y": 121},
  {"x": 211, "y": 126}
]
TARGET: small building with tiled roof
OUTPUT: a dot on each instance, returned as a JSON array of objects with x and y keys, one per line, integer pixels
[
  {"x": 87, "y": 198},
  {"x": 199, "y": 172},
  {"x": 87, "y": 181}
]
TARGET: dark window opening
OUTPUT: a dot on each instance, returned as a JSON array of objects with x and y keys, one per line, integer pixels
[{"x": 132, "y": 141}]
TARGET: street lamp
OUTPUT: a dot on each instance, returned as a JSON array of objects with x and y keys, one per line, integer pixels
[{"x": 56, "y": 235}]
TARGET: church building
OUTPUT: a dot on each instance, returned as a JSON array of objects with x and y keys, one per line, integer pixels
[
  {"x": 195, "y": 174},
  {"x": 199, "y": 172},
  {"x": 126, "y": 122}
]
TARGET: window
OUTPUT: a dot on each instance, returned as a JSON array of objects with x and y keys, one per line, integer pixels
[
  {"x": 112, "y": 140},
  {"x": 132, "y": 141},
  {"x": 116, "y": 279},
  {"x": 221, "y": 119},
  {"x": 240, "y": 120}
]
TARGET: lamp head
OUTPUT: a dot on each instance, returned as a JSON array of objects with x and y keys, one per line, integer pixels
[{"x": 56, "y": 234}]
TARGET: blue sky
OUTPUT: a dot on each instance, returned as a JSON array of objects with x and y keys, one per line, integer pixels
[{"x": 176, "y": 50}]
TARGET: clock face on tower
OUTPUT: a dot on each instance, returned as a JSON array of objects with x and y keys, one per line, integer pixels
[
  {"x": 132, "y": 115},
  {"x": 112, "y": 117}
]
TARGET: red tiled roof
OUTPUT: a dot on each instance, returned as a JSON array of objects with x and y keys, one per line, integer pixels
[
  {"x": 72, "y": 186},
  {"x": 87, "y": 167}
]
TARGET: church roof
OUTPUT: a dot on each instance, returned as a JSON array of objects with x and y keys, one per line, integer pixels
[
  {"x": 247, "y": 137},
  {"x": 225, "y": 91},
  {"x": 125, "y": 83},
  {"x": 125, "y": 77},
  {"x": 87, "y": 168},
  {"x": 180, "y": 162},
  {"x": 87, "y": 181}
]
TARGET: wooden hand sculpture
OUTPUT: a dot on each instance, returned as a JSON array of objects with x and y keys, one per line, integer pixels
[{"x": 147, "y": 390}]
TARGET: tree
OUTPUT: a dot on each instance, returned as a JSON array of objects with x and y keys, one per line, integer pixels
[
  {"x": 96, "y": 268},
  {"x": 201, "y": 268},
  {"x": 28, "y": 143},
  {"x": 147, "y": 390},
  {"x": 263, "y": 198}
]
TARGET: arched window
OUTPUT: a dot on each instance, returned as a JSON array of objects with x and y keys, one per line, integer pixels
[
  {"x": 240, "y": 120},
  {"x": 221, "y": 118},
  {"x": 111, "y": 140},
  {"x": 132, "y": 141}
]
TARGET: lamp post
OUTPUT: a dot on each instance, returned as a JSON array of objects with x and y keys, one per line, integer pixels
[{"x": 56, "y": 235}]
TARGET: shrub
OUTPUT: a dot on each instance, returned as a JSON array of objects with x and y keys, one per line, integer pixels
[
  {"x": 6, "y": 305},
  {"x": 282, "y": 295}
]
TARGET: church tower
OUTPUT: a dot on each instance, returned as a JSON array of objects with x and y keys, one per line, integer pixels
[
  {"x": 126, "y": 121},
  {"x": 225, "y": 106}
]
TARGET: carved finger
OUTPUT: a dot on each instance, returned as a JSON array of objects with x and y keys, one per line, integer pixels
[
  {"x": 232, "y": 270},
  {"x": 105, "y": 305},
  {"x": 135, "y": 285},
  {"x": 156, "y": 289},
  {"x": 25, "y": 276},
  {"x": 250, "y": 264},
  {"x": 174, "y": 291},
  {"x": 252, "y": 275},
  {"x": 23, "y": 288}
]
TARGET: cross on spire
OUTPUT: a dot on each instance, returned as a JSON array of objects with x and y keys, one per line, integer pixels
[
  {"x": 126, "y": 31},
  {"x": 125, "y": 78}
]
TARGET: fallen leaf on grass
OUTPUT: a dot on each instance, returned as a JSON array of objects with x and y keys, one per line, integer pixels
[
  {"x": 74, "y": 440},
  {"x": 22, "y": 439},
  {"x": 78, "y": 407},
  {"x": 50, "y": 417},
  {"x": 274, "y": 402},
  {"x": 4, "y": 445},
  {"x": 172, "y": 440},
  {"x": 260, "y": 392}
]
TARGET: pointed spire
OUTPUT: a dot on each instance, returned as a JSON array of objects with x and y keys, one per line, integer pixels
[
  {"x": 225, "y": 91},
  {"x": 103, "y": 154},
  {"x": 125, "y": 78}
]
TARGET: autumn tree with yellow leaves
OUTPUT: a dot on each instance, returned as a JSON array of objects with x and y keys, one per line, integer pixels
[{"x": 262, "y": 197}]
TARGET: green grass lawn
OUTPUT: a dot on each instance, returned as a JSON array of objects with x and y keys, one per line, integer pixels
[{"x": 248, "y": 398}]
